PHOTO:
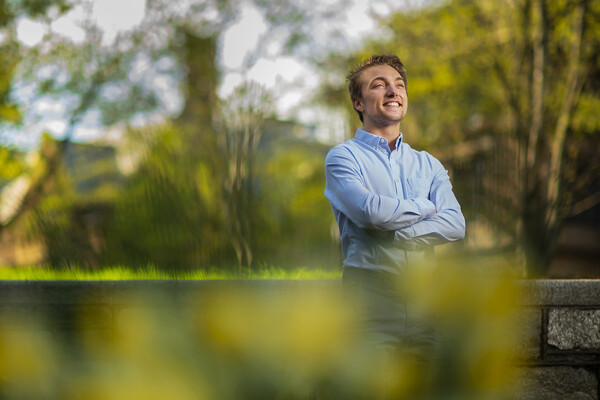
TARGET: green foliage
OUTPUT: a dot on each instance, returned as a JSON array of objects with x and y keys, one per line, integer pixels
[
  {"x": 203, "y": 189},
  {"x": 11, "y": 165},
  {"x": 586, "y": 119},
  {"x": 11, "y": 51},
  {"x": 164, "y": 215},
  {"x": 89, "y": 78},
  {"x": 172, "y": 211},
  {"x": 55, "y": 221},
  {"x": 36, "y": 8},
  {"x": 300, "y": 218},
  {"x": 73, "y": 202},
  {"x": 129, "y": 101},
  {"x": 9, "y": 111}
]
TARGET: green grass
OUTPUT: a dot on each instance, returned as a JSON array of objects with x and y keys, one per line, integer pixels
[{"x": 125, "y": 273}]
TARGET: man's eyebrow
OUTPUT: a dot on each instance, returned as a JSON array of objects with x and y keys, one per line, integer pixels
[{"x": 382, "y": 78}]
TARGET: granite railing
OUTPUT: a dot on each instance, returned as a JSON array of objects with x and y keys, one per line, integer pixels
[{"x": 560, "y": 319}]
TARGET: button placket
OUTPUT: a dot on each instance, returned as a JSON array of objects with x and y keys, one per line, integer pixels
[{"x": 395, "y": 174}]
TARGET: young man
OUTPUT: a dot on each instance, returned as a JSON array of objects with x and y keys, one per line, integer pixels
[{"x": 392, "y": 203}]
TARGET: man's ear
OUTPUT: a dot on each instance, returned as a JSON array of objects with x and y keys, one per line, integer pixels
[{"x": 358, "y": 105}]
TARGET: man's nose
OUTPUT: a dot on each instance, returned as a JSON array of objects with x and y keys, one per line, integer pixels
[{"x": 392, "y": 91}]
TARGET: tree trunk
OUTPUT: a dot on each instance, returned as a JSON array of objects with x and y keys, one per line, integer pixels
[
  {"x": 544, "y": 199},
  {"x": 573, "y": 89},
  {"x": 537, "y": 87}
]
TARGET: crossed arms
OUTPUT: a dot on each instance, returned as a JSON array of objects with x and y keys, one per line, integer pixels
[{"x": 415, "y": 222}]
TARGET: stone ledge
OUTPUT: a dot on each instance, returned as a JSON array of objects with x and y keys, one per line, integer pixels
[{"x": 559, "y": 292}]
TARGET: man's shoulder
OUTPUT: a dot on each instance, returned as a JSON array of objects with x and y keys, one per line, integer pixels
[
  {"x": 347, "y": 144},
  {"x": 421, "y": 154},
  {"x": 345, "y": 148}
]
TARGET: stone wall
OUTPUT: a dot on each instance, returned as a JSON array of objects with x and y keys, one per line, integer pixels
[
  {"x": 561, "y": 353},
  {"x": 559, "y": 356}
]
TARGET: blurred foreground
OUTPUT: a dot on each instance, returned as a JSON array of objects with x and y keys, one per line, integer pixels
[{"x": 267, "y": 344}]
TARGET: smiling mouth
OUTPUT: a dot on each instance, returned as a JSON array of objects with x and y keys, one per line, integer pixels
[{"x": 392, "y": 104}]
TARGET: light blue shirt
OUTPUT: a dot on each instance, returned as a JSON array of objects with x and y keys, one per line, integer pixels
[{"x": 404, "y": 192}]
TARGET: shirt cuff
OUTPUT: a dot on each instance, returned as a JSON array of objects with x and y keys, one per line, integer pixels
[{"x": 426, "y": 207}]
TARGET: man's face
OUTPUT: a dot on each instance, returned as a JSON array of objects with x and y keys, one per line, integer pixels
[{"x": 384, "y": 100}]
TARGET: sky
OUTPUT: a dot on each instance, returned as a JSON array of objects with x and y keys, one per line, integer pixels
[{"x": 290, "y": 80}]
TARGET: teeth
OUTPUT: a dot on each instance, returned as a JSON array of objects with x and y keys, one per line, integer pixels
[{"x": 393, "y": 103}]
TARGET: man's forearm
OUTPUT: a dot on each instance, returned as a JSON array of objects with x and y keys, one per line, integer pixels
[{"x": 444, "y": 227}]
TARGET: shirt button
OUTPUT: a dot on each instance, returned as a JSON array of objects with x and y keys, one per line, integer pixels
[{"x": 382, "y": 140}]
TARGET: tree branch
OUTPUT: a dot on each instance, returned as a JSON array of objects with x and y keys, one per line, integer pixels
[
  {"x": 574, "y": 86},
  {"x": 583, "y": 205}
]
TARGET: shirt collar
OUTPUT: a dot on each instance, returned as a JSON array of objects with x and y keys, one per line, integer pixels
[{"x": 373, "y": 140}]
